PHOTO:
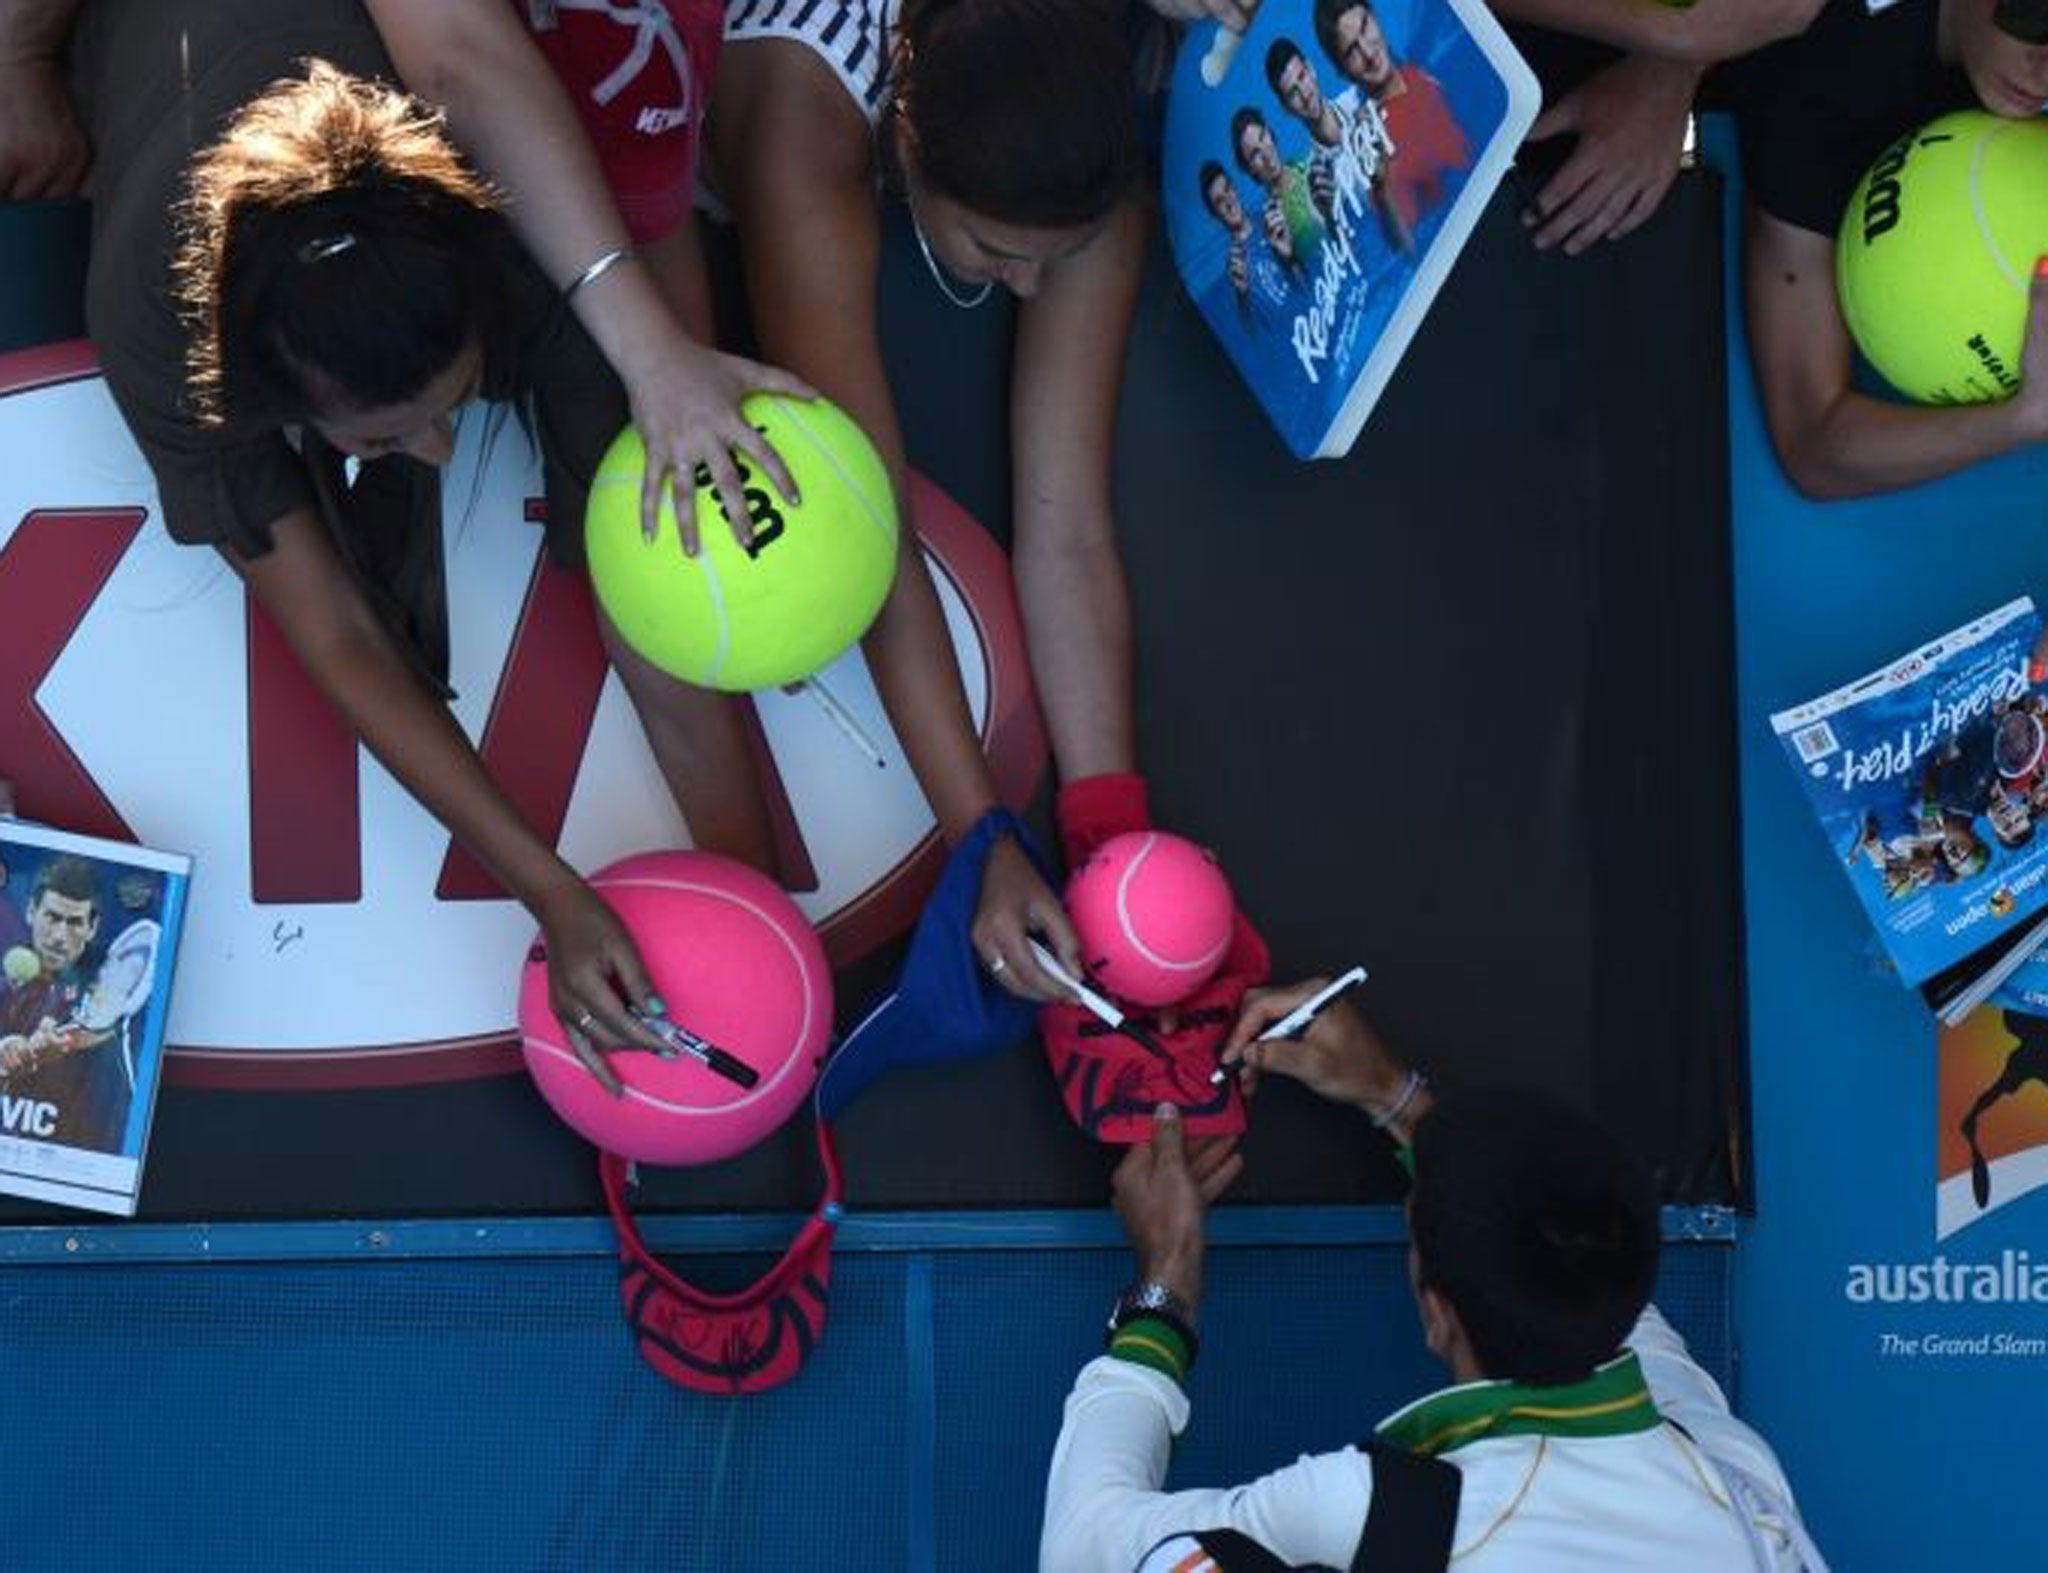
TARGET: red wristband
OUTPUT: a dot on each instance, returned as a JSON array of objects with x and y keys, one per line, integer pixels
[{"x": 1091, "y": 810}]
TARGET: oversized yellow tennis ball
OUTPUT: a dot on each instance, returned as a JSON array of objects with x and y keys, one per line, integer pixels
[
  {"x": 1936, "y": 252},
  {"x": 747, "y": 617}
]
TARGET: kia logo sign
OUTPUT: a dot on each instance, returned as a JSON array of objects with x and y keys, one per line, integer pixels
[{"x": 335, "y": 936}]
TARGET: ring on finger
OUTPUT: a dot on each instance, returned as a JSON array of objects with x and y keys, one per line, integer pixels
[
  {"x": 585, "y": 1023},
  {"x": 996, "y": 966}
]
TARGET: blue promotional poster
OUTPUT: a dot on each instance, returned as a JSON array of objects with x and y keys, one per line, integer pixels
[
  {"x": 88, "y": 933},
  {"x": 1928, "y": 777},
  {"x": 1322, "y": 172}
]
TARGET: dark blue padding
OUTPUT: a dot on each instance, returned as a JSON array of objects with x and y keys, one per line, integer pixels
[{"x": 486, "y": 1413}]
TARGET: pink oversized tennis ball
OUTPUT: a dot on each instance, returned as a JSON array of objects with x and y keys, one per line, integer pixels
[
  {"x": 1153, "y": 912},
  {"x": 737, "y": 964}
]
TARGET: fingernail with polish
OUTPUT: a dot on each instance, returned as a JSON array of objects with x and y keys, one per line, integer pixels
[
  {"x": 655, "y": 1007},
  {"x": 1164, "y": 1111}
]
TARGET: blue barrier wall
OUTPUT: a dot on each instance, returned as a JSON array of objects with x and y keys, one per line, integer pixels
[
  {"x": 1902, "y": 1460},
  {"x": 488, "y": 1412}
]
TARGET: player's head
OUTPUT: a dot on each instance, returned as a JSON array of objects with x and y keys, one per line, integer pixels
[
  {"x": 1535, "y": 1235},
  {"x": 1219, "y": 196},
  {"x": 1351, "y": 35},
  {"x": 1013, "y": 130},
  {"x": 1293, "y": 81},
  {"x": 2002, "y": 46},
  {"x": 1962, "y": 849},
  {"x": 2011, "y": 820},
  {"x": 63, "y": 913},
  {"x": 1251, "y": 140},
  {"x": 342, "y": 266}
]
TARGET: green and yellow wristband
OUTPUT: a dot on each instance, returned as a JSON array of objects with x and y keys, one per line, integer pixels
[{"x": 1155, "y": 1342}]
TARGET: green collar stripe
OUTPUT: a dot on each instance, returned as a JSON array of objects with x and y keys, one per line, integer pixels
[{"x": 1613, "y": 1401}]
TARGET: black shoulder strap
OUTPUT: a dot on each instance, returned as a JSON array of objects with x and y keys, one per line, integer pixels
[
  {"x": 1409, "y": 1528},
  {"x": 1414, "y": 1514},
  {"x": 1235, "y": 1552}
]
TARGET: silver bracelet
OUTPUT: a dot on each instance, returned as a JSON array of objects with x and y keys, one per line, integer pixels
[
  {"x": 1416, "y": 1083},
  {"x": 598, "y": 269}
]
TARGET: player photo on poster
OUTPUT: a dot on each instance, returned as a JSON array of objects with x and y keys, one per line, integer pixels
[
  {"x": 1322, "y": 171},
  {"x": 1991, "y": 1143},
  {"x": 88, "y": 931}
]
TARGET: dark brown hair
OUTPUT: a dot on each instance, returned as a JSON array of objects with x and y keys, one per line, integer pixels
[
  {"x": 1326, "y": 14},
  {"x": 1537, "y": 1227},
  {"x": 1023, "y": 111},
  {"x": 334, "y": 233},
  {"x": 1283, "y": 51},
  {"x": 71, "y": 877}
]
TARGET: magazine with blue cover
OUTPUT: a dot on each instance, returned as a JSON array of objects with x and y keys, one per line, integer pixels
[
  {"x": 88, "y": 934},
  {"x": 1929, "y": 778},
  {"x": 1322, "y": 171},
  {"x": 2026, "y": 990}
]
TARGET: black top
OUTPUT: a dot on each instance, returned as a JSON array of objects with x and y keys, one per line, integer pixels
[
  {"x": 156, "y": 83},
  {"x": 1814, "y": 111}
]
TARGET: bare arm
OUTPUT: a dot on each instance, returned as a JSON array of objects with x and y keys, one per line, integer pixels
[
  {"x": 1070, "y": 575},
  {"x": 1832, "y": 440},
  {"x": 313, "y": 600},
  {"x": 43, "y": 151},
  {"x": 35, "y": 29},
  {"x": 1703, "y": 32},
  {"x": 506, "y": 106},
  {"x": 795, "y": 158},
  {"x": 812, "y": 242}
]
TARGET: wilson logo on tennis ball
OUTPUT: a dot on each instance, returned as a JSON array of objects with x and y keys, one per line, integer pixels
[
  {"x": 1936, "y": 255},
  {"x": 752, "y": 614},
  {"x": 763, "y": 517},
  {"x": 1881, "y": 195},
  {"x": 335, "y": 936}
]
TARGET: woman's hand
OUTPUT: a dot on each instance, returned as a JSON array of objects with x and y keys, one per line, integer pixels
[
  {"x": 686, "y": 403},
  {"x": 1015, "y": 904},
  {"x": 1629, "y": 120},
  {"x": 596, "y": 980}
]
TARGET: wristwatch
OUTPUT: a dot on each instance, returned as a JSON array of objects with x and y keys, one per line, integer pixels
[{"x": 1148, "y": 1297}]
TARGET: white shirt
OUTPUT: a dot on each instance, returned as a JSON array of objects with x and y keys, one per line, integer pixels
[{"x": 1710, "y": 1498}]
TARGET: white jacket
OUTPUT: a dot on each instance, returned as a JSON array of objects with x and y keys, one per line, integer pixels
[{"x": 1644, "y": 1467}]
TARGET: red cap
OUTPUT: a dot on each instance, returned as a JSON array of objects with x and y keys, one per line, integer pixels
[{"x": 640, "y": 74}]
